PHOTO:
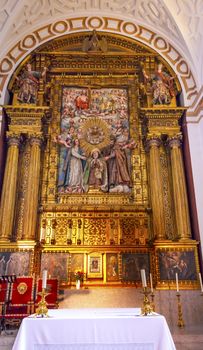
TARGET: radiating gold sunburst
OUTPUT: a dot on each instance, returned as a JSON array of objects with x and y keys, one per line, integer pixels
[{"x": 95, "y": 133}]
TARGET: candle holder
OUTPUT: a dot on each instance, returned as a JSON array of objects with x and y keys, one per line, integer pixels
[
  {"x": 42, "y": 310},
  {"x": 181, "y": 323},
  {"x": 152, "y": 301},
  {"x": 146, "y": 308}
]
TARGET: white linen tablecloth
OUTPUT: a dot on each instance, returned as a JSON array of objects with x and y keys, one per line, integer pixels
[{"x": 94, "y": 329}]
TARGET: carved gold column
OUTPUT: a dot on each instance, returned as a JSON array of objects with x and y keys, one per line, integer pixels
[
  {"x": 179, "y": 188},
  {"x": 156, "y": 187},
  {"x": 9, "y": 187},
  {"x": 32, "y": 192}
]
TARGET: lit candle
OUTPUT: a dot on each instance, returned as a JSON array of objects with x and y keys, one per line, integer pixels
[
  {"x": 151, "y": 283},
  {"x": 177, "y": 286},
  {"x": 143, "y": 277},
  {"x": 44, "y": 279},
  {"x": 200, "y": 281}
]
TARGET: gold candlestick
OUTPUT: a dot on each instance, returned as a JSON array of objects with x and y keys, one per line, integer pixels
[
  {"x": 181, "y": 323},
  {"x": 42, "y": 309},
  {"x": 146, "y": 308},
  {"x": 152, "y": 301}
]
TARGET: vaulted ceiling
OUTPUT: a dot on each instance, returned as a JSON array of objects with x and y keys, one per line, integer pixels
[{"x": 179, "y": 21}]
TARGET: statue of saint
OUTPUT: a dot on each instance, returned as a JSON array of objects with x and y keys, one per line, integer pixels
[
  {"x": 95, "y": 172},
  {"x": 162, "y": 85},
  {"x": 28, "y": 83}
]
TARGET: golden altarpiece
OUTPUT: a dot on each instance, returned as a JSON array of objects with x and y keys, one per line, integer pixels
[{"x": 94, "y": 178}]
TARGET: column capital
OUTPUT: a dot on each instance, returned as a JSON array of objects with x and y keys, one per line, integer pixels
[
  {"x": 153, "y": 141},
  {"x": 175, "y": 141},
  {"x": 36, "y": 139},
  {"x": 13, "y": 139}
]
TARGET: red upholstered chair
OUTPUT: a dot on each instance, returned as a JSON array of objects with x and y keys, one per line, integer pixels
[
  {"x": 21, "y": 302},
  {"x": 3, "y": 294},
  {"x": 52, "y": 289}
]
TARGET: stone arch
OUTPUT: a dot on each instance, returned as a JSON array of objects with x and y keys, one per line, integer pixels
[{"x": 127, "y": 28}]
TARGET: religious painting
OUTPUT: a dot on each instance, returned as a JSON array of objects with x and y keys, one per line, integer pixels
[
  {"x": 15, "y": 263},
  {"x": 95, "y": 143},
  {"x": 112, "y": 267},
  {"x": 77, "y": 264},
  {"x": 132, "y": 263},
  {"x": 56, "y": 264},
  {"x": 95, "y": 265},
  {"x": 182, "y": 262}
]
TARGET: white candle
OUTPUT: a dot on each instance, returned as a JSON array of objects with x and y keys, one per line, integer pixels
[
  {"x": 44, "y": 279},
  {"x": 151, "y": 283},
  {"x": 177, "y": 286},
  {"x": 143, "y": 277},
  {"x": 200, "y": 281}
]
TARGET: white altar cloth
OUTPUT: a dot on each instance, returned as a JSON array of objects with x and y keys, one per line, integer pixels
[{"x": 94, "y": 329}]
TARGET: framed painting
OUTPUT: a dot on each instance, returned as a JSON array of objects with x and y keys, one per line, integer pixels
[
  {"x": 112, "y": 273},
  {"x": 56, "y": 264},
  {"x": 174, "y": 261},
  {"x": 17, "y": 263},
  {"x": 95, "y": 266},
  {"x": 132, "y": 263},
  {"x": 181, "y": 261}
]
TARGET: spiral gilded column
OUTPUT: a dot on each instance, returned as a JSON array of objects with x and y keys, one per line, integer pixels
[
  {"x": 9, "y": 187},
  {"x": 179, "y": 188},
  {"x": 156, "y": 188},
  {"x": 32, "y": 191}
]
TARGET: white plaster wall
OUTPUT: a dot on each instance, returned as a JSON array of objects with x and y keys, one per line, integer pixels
[{"x": 195, "y": 135}]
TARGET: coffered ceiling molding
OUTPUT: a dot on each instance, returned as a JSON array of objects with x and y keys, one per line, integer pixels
[
  {"x": 181, "y": 21},
  {"x": 29, "y": 13},
  {"x": 112, "y": 24}
]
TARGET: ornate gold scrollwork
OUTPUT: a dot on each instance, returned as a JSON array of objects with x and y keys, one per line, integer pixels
[{"x": 22, "y": 288}]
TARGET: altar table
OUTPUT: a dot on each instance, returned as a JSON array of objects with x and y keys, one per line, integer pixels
[{"x": 94, "y": 329}]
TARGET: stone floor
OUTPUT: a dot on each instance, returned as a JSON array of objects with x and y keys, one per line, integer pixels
[{"x": 188, "y": 338}]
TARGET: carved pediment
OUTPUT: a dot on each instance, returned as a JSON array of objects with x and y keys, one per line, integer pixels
[{"x": 94, "y": 42}]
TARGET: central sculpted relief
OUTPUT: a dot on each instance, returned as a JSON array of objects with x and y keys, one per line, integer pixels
[{"x": 95, "y": 143}]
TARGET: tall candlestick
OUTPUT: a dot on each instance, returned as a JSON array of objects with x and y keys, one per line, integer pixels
[
  {"x": 200, "y": 281},
  {"x": 177, "y": 285},
  {"x": 143, "y": 277},
  {"x": 151, "y": 283},
  {"x": 44, "y": 279}
]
